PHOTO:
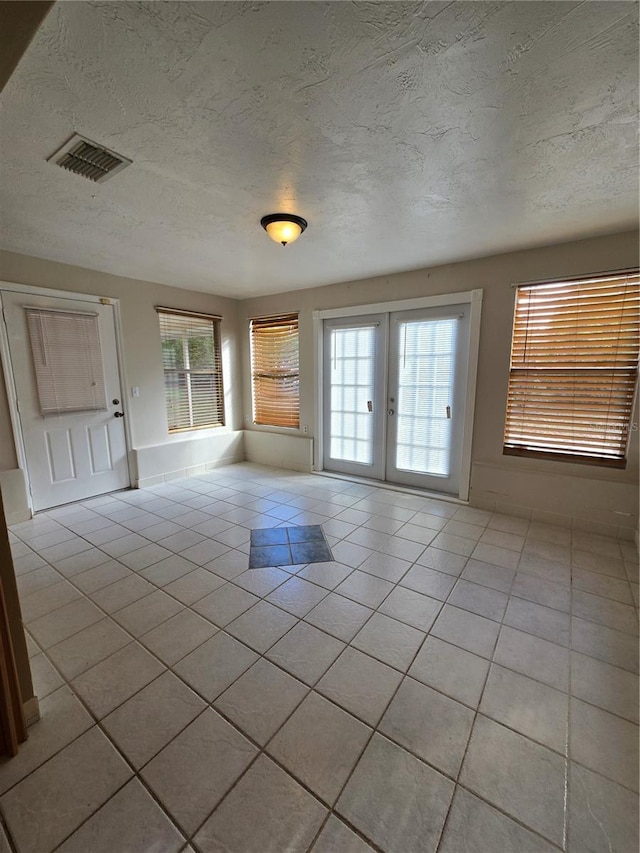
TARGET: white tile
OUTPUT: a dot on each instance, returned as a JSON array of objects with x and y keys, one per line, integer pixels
[
  {"x": 531, "y": 588},
  {"x": 478, "y": 599},
  {"x": 320, "y": 744},
  {"x": 602, "y": 816},
  {"x": 430, "y": 582},
  {"x": 114, "y": 680},
  {"x": 365, "y": 589},
  {"x": 47, "y": 600},
  {"x": 130, "y": 821},
  {"x": 101, "y": 576},
  {"x": 520, "y": 777},
  {"x": 144, "y": 724},
  {"x": 467, "y": 630},
  {"x": 225, "y": 604},
  {"x": 494, "y": 577},
  {"x": 117, "y": 595},
  {"x": 359, "y": 684},
  {"x": 535, "y": 710},
  {"x": 474, "y": 826},
  {"x": 350, "y": 554},
  {"x": 261, "y": 581},
  {"x": 147, "y": 613},
  {"x": 336, "y": 836},
  {"x": 606, "y": 686},
  {"x": 410, "y": 607},
  {"x": 266, "y": 811},
  {"x": 144, "y": 556},
  {"x": 261, "y": 626},
  {"x": 328, "y": 575},
  {"x": 297, "y": 596},
  {"x": 604, "y": 643},
  {"x": 451, "y": 670},
  {"x": 442, "y": 561},
  {"x": 196, "y": 769},
  {"x": 44, "y": 676},
  {"x": 305, "y": 652},
  {"x": 62, "y": 720},
  {"x": 64, "y": 622},
  {"x": 167, "y": 570},
  {"x": 66, "y": 789},
  {"x": 389, "y": 781},
  {"x": 456, "y": 544},
  {"x": 261, "y": 700},
  {"x": 613, "y": 614},
  {"x": 175, "y": 638},
  {"x": 214, "y": 665},
  {"x": 604, "y": 585},
  {"x": 339, "y": 616},
  {"x": 192, "y": 587},
  {"x": 604, "y": 743},
  {"x": 390, "y": 641},
  {"x": 536, "y": 619},
  {"x": 534, "y": 657},
  {"x": 87, "y": 648},
  {"x": 430, "y": 725}
]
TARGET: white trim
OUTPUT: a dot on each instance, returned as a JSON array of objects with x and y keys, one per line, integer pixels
[
  {"x": 472, "y": 297},
  {"x": 400, "y": 305},
  {"x": 12, "y": 401},
  {"x": 393, "y": 487},
  {"x": 470, "y": 399},
  {"x": 31, "y": 710},
  {"x": 7, "y": 367}
]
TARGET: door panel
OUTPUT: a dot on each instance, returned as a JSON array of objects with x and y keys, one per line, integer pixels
[
  {"x": 354, "y": 399},
  {"x": 394, "y": 394},
  {"x": 427, "y": 377},
  {"x": 71, "y": 455}
]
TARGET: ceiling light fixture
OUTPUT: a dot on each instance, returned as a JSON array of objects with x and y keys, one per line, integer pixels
[{"x": 283, "y": 227}]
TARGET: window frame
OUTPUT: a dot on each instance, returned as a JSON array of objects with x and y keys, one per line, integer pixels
[
  {"x": 269, "y": 323},
  {"x": 539, "y": 358},
  {"x": 215, "y": 372}
]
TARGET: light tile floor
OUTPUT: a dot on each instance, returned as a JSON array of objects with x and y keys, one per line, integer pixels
[{"x": 456, "y": 680}]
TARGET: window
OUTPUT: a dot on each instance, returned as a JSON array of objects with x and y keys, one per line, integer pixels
[
  {"x": 574, "y": 366},
  {"x": 192, "y": 369},
  {"x": 275, "y": 371}
]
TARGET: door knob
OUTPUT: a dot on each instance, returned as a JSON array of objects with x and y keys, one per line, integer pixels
[
  {"x": 118, "y": 414},
  {"x": 391, "y": 411},
  {"x": 115, "y": 402}
]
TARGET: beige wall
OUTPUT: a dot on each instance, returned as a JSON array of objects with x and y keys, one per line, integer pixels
[
  {"x": 600, "y": 498},
  {"x": 142, "y": 352},
  {"x": 590, "y": 494}
]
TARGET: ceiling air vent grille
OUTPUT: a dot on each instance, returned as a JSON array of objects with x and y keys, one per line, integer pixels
[{"x": 88, "y": 159}]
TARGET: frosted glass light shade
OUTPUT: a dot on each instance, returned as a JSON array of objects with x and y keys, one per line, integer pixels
[{"x": 283, "y": 227}]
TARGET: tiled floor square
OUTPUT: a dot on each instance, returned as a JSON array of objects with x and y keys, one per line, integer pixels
[
  {"x": 474, "y": 633},
  {"x": 390, "y": 641},
  {"x": 341, "y": 617},
  {"x": 337, "y": 836},
  {"x": 430, "y": 725},
  {"x": 603, "y": 816},
  {"x": 604, "y": 743},
  {"x": 360, "y": 684},
  {"x": 194, "y": 772},
  {"x": 261, "y": 626},
  {"x": 261, "y": 700},
  {"x": 320, "y": 744},
  {"x": 388, "y": 780},
  {"x": 179, "y": 635},
  {"x": 214, "y": 665},
  {"x": 518, "y": 776},
  {"x": 283, "y": 815},
  {"x": 305, "y": 652},
  {"x": 451, "y": 670}
]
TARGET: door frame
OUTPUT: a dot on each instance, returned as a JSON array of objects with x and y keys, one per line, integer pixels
[
  {"x": 7, "y": 369},
  {"x": 471, "y": 297}
]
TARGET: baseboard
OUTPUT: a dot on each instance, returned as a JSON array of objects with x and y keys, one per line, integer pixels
[
  {"x": 192, "y": 471},
  {"x": 31, "y": 710},
  {"x": 17, "y": 517}
]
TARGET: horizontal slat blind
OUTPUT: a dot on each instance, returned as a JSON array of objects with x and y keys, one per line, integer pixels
[
  {"x": 574, "y": 367},
  {"x": 275, "y": 371},
  {"x": 67, "y": 358},
  {"x": 192, "y": 364}
]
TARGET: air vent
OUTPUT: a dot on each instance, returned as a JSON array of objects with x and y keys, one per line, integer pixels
[{"x": 88, "y": 159}]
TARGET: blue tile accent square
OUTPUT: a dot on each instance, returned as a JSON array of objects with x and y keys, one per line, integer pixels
[
  {"x": 310, "y": 552},
  {"x": 306, "y": 533},
  {"x": 269, "y": 536},
  {"x": 269, "y": 555}
]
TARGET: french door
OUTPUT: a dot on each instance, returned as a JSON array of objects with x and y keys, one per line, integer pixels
[{"x": 394, "y": 394}]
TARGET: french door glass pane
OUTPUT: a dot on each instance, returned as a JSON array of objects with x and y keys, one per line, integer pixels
[
  {"x": 352, "y": 376},
  {"x": 426, "y": 363}
]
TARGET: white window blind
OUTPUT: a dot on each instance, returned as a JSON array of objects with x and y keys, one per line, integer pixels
[
  {"x": 426, "y": 371},
  {"x": 574, "y": 367},
  {"x": 67, "y": 358},
  {"x": 275, "y": 371},
  {"x": 352, "y": 390},
  {"x": 192, "y": 363}
]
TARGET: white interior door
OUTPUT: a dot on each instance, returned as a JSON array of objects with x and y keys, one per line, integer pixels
[
  {"x": 427, "y": 380},
  {"x": 354, "y": 394},
  {"x": 394, "y": 396},
  {"x": 65, "y": 367}
]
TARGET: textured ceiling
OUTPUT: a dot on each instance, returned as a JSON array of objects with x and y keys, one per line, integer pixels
[{"x": 408, "y": 134}]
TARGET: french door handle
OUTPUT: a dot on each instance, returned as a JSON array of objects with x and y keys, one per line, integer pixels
[
  {"x": 449, "y": 413},
  {"x": 391, "y": 411},
  {"x": 118, "y": 414}
]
